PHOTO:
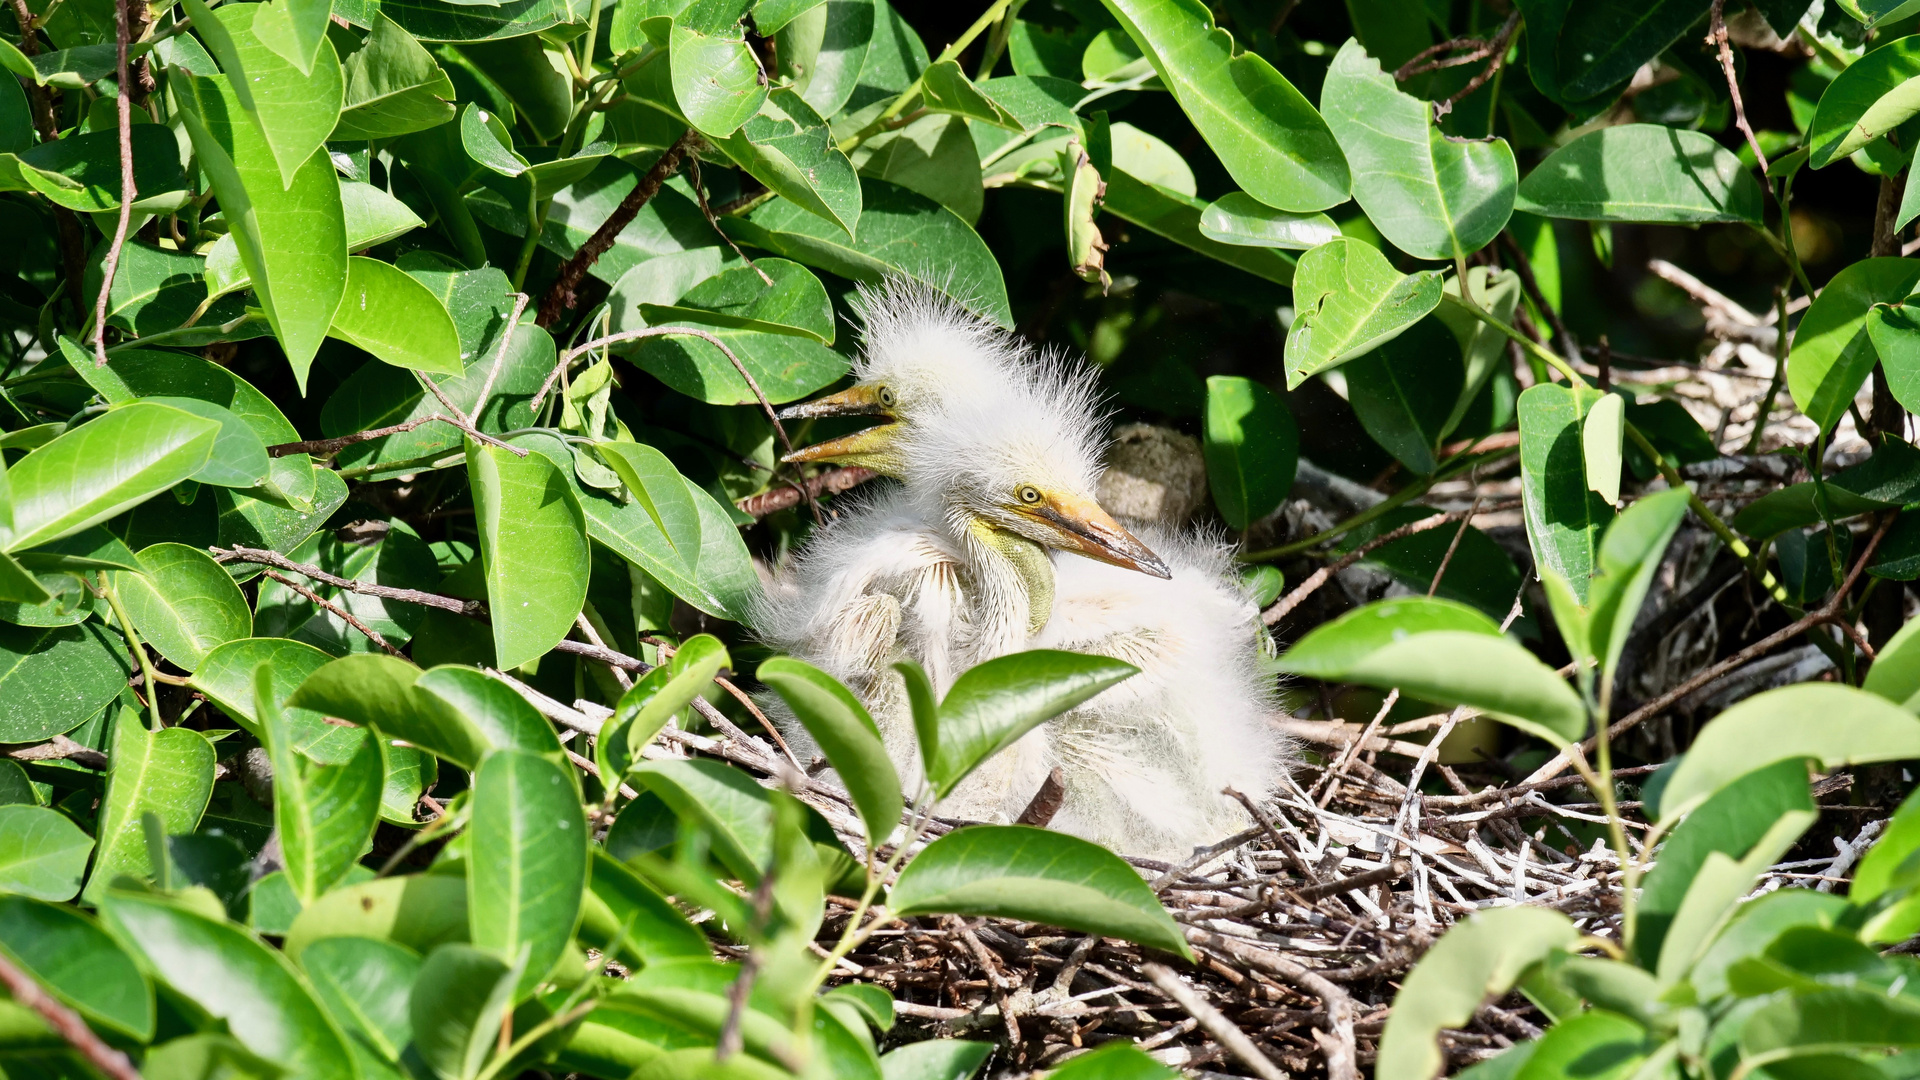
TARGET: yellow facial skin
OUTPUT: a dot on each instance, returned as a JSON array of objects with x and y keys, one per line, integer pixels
[
  {"x": 1077, "y": 524},
  {"x": 873, "y": 448}
]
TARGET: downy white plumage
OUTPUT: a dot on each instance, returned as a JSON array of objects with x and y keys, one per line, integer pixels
[{"x": 997, "y": 451}]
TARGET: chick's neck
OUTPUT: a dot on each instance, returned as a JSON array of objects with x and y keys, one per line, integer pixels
[{"x": 1014, "y": 576}]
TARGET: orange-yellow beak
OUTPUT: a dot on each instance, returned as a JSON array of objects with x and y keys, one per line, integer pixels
[
  {"x": 1084, "y": 529},
  {"x": 873, "y": 448}
]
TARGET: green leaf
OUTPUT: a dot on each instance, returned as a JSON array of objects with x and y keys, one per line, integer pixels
[
  {"x": 1431, "y": 196},
  {"x": 533, "y": 545},
  {"x": 541, "y": 93},
  {"x": 795, "y": 304},
  {"x": 1019, "y": 872},
  {"x": 393, "y": 87},
  {"x": 19, "y": 586},
  {"x": 324, "y": 814},
  {"x": 1576, "y": 1044},
  {"x": 69, "y": 955},
  {"x": 1252, "y": 447},
  {"x": 183, "y": 603},
  {"x": 396, "y": 318},
  {"x": 498, "y": 717},
  {"x": 371, "y": 217},
  {"x": 1868, "y": 99},
  {"x": 225, "y": 676},
  {"x": 1855, "y": 727},
  {"x": 1331, "y": 649},
  {"x": 288, "y": 225},
  {"x": 951, "y": 1059},
  {"x": 365, "y": 985},
  {"x": 43, "y": 854},
  {"x": 294, "y": 30},
  {"x": 99, "y": 469},
  {"x": 642, "y": 713},
  {"x": 821, "y": 48},
  {"x": 1404, "y": 392},
  {"x": 1889, "y": 478},
  {"x": 53, "y": 678},
  {"x": 1348, "y": 299},
  {"x": 458, "y": 1004},
  {"x": 1492, "y": 674},
  {"x": 1895, "y": 674},
  {"x": 1480, "y": 958},
  {"x": 786, "y": 146},
  {"x": 1715, "y": 891},
  {"x": 418, "y": 911},
  {"x": 900, "y": 233},
  {"x": 619, "y": 904},
  {"x": 429, "y": 20},
  {"x": 1563, "y": 514},
  {"x": 725, "y": 801},
  {"x": 206, "y": 1057},
  {"x": 168, "y": 773},
  {"x": 1602, "y": 432},
  {"x": 1604, "y": 42},
  {"x": 527, "y": 861},
  {"x": 717, "y": 81},
  {"x": 993, "y": 704},
  {"x": 230, "y": 976},
  {"x": 156, "y": 290},
  {"x": 294, "y": 111},
  {"x": 1831, "y": 1020},
  {"x": 660, "y": 490},
  {"x": 1642, "y": 172},
  {"x": 1629, "y": 554},
  {"x": 1731, "y": 822},
  {"x": 844, "y": 732},
  {"x": 1240, "y": 219},
  {"x": 1267, "y": 135},
  {"x": 933, "y": 156},
  {"x": 1754, "y": 925},
  {"x": 1117, "y": 1060},
  {"x": 82, "y": 172},
  {"x": 377, "y": 690},
  {"x": 1182, "y": 219}
]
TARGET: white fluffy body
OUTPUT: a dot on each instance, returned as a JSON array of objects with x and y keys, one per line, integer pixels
[{"x": 912, "y": 574}]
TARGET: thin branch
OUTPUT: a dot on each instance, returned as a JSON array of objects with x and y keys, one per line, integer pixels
[
  {"x": 60, "y": 748},
  {"x": 520, "y": 300},
  {"x": 326, "y": 448},
  {"x": 465, "y": 423},
  {"x": 1223, "y": 1030},
  {"x": 123, "y": 100},
  {"x": 700, "y": 193},
  {"x": 1319, "y": 577},
  {"x": 67, "y": 1023},
  {"x": 1336, "y": 1004},
  {"x": 1497, "y": 49},
  {"x": 239, "y": 553},
  {"x": 1453, "y": 546},
  {"x": 825, "y": 482},
  {"x": 1717, "y": 37},
  {"x": 560, "y": 297},
  {"x": 345, "y": 615}
]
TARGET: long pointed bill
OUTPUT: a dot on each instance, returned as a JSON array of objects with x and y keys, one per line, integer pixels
[
  {"x": 1085, "y": 529},
  {"x": 872, "y": 448},
  {"x": 853, "y": 401}
]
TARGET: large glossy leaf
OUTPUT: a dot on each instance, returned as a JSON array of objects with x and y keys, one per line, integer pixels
[
  {"x": 365, "y": 985},
  {"x": 1715, "y": 892},
  {"x": 1889, "y": 478},
  {"x": 393, "y": 87},
  {"x": 1479, "y": 958},
  {"x": 846, "y": 734},
  {"x": 736, "y": 811},
  {"x": 1604, "y": 42},
  {"x": 225, "y": 676},
  {"x": 823, "y": 49},
  {"x": 376, "y": 690},
  {"x": 1832, "y": 353},
  {"x": 934, "y": 156},
  {"x": 539, "y": 89},
  {"x": 1895, "y": 336},
  {"x": 397, "y": 319},
  {"x": 457, "y": 1007},
  {"x": 656, "y": 699},
  {"x": 1563, "y": 514},
  {"x": 993, "y": 704},
  {"x": 1492, "y": 674},
  {"x": 1252, "y": 447},
  {"x": 1348, "y": 299},
  {"x": 53, "y": 678},
  {"x": 533, "y": 544},
  {"x": 66, "y": 953},
  {"x": 324, "y": 814},
  {"x": 621, "y": 905},
  {"x": 294, "y": 110},
  {"x": 717, "y": 82},
  {"x": 82, "y": 172},
  {"x": 1832, "y": 1020},
  {"x": 1333, "y": 648},
  {"x": 183, "y": 603},
  {"x": 1432, "y": 196},
  {"x": 1731, "y": 822},
  {"x": 1242, "y": 220},
  {"x": 1874, "y": 95},
  {"x": 96, "y": 470},
  {"x": 1404, "y": 392},
  {"x": 786, "y": 367},
  {"x": 527, "y": 863},
  {"x": 43, "y": 854},
  {"x": 231, "y": 976},
  {"x": 786, "y": 146},
  {"x": 1267, "y": 135},
  {"x": 1855, "y": 727},
  {"x": 498, "y": 716},
  {"x": 418, "y": 911},
  {"x": 168, "y": 773},
  {"x": 1181, "y": 218},
  {"x": 291, "y": 234},
  {"x": 899, "y": 233},
  {"x": 1629, "y": 554},
  {"x": 1642, "y": 172},
  {"x": 1895, "y": 674},
  {"x": 430, "y": 20},
  {"x": 739, "y": 297},
  {"x": 959, "y": 1059},
  {"x": 1018, "y": 872}
]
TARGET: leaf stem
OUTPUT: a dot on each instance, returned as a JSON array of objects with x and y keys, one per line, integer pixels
[
  {"x": 139, "y": 651},
  {"x": 879, "y": 123}
]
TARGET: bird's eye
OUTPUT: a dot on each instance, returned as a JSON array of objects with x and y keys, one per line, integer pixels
[
  {"x": 1029, "y": 495},
  {"x": 887, "y": 397}
]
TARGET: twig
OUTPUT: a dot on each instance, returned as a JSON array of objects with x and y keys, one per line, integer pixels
[
  {"x": 1319, "y": 577},
  {"x": 1497, "y": 50},
  {"x": 585, "y": 626},
  {"x": 1046, "y": 802},
  {"x": 1393, "y": 871},
  {"x": 123, "y": 101},
  {"x": 700, "y": 193},
  {"x": 499, "y": 357},
  {"x": 560, "y": 296},
  {"x": 1454, "y": 545},
  {"x": 345, "y": 615},
  {"x": 326, "y": 448},
  {"x": 111, "y": 1063},
  {"x": 1717, "y": 37},
  {"x": 1343, "y": 1058},
  {"x": 1223, "y": 1030},
  {"x": 60, "y": 748},
  {"x": 239, "y": 553},
  {"x": 465, "y": 423},
  {"x": 825, "y": 482}
]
